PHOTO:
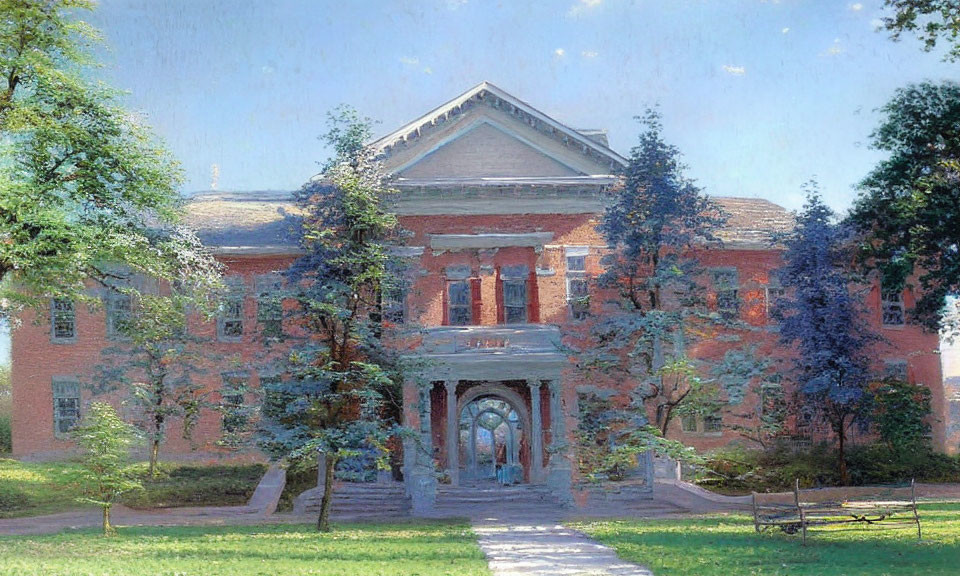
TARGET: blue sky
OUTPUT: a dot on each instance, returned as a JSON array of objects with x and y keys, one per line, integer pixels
[{"x": 759, "y": 95}]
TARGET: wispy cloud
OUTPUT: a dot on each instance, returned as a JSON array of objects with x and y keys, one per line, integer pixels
[
  {"x": 428, "y": 70},
  {"x": 856, "y": 7},
  {"x": 734, "y": 70},
  {"x": 589, "y": 53},
  {"x": 454, "y": 4},
  {"x": 409, "y": 61},
  {"x": 785, "y": 31},
  {"x": 835, "y": 48},
  {"x": 583, "y": 6},
  {"x": 560, "y": 52},
  {"x": 877, "y": 24}
]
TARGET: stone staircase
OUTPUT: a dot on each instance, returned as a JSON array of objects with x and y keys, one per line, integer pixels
[
  {"x": 487, "y": 499},
  {"x": 625, "y": 500},
  {"x": 358, "y": 501}
]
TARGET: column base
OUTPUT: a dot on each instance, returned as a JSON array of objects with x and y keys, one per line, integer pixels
[
  {"x": 560, "y": 482},
  {"x": 422, "y": 488}
]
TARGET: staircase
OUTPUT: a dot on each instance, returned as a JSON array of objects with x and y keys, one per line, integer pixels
[
  {"x": 487, "y": 499},
  {"x": 358, "y": 501}
]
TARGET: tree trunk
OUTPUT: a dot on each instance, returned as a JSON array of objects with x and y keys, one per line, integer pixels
[
  {"x": 841, "y": 453},
  {"x": 154, "y": 454},
  {"x": 323, "y": 522},
  {"x": 107, "y": 527}
]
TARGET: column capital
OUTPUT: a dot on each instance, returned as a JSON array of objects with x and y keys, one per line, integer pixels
[
  {"x": 554, "y": 384},
  {"x": 451, "y": 385},
  {"x": 533, "y": 383}
]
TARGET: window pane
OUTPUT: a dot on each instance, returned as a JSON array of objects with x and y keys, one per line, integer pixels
[
  {"x": 515, "y": 293},
  {"x": 892, "y": 302},
  {"x": 688, "y": 423},
  {"x": 460, "y": 313},
  {"x": 118, "y": 309},
  {"x": 63, "y": 319},
  {"x": 576, "y": 263},
  {"x": 712, "y": 424},
  {"x": 66, "y": 406}
]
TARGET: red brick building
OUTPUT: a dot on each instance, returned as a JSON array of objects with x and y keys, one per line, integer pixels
[{"x": 502, "y": 204}]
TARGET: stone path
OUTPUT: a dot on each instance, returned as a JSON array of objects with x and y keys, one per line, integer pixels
[{"x": 548, "y": 549}]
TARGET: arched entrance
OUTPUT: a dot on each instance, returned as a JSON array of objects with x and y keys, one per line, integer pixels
[{"x": 493, "y": 429}]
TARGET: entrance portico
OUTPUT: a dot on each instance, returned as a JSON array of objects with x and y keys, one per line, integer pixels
[{"x": 480, "y": 390}]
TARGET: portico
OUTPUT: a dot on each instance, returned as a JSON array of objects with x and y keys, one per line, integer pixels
[{"x": 488, "y": 404}]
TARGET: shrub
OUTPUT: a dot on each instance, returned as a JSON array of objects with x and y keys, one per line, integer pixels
[{"x": 901, "y": 412}]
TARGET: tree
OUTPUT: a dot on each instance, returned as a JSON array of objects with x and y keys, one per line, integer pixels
[
  {"x": 658, "y": 216},
  {"x": 901, "y": 411},
  {"x": 333, "y": 401},
  {"x": 821, "y": 319},
  {"x": 105, "y": 440},
  {"x": 156, "y": 360},
  {"x": 930, "y": 20},
  {"x": 743, "y": 370},
  {"x": 908, "y": 211},
  {"x": 83, "y": 183}
]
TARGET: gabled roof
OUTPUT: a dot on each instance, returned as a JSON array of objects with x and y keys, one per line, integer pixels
[
  {"x": 485, "y": 90},
  {"x": 752, "y": 223}
]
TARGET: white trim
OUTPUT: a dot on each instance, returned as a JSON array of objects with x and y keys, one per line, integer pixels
[
  {"x": 485, "y": 241},
  {"x": 576, "y": 251}
]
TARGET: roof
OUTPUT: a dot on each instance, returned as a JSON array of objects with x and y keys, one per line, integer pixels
[
  {"x": 267, "y": 222},
  {"x": 752, "y": 223},
  {"x": 594, "y": 140},
  {"x": 245, "y": 222}
]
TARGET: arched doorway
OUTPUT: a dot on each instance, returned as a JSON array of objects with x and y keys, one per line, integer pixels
[{"x": 493, "y": 436}]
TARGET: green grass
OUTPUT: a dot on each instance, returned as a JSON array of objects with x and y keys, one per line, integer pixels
[
  {"x": 728, "y": 546},
  {"x": 35, "y": 488},
  {"x": 424, "y": 549}
]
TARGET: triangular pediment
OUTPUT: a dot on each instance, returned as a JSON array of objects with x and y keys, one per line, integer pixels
[
  {"x": 485, "y": 150},
  {"x": 486, "y": 133}
]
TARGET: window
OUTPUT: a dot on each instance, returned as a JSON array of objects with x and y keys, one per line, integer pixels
[
  {"x": 515, "y": 301},
  {"x": 726, "y": 283},
  {"x": 232, "y": 405},
  {"x": 66, "y": 405},
  {"x": 688, "y": 423},
  {"x": 713, "y": 424},
  {"x": 230, "y": 322},
  {"x": 119, "y": 308},
  {"x": 269, "y": 306},
  {"x": 771, "y": 295},
  {"x": 578, "y": 293},
  {"x": 892, "y": 305},
  {"x": 460, "y": 303},
  {"x": 393, "y": 301},
  {"x": 896, "y": 369},
  {"x": 63, "y": 320}
]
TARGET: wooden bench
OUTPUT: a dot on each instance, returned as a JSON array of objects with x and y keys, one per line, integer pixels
[{"x": 888, "y": 506}]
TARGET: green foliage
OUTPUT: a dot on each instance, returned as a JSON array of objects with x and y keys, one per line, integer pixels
[
  {"x": 402, "y": 549},
  {"x": 82, "y": 182},
  {"x": 105, "y": 441},
  {"x": 657, "y": 215},
  {"x": 901, "y": 413},
  {"x": 334, "y": 401},
  {"x": 931, "y": 21},
  {"x": 908, "y": 210},
  {"x": 610, "y": 440},
  {"x": 726, "y": 545},
  {"x": 743, "y": 371}
]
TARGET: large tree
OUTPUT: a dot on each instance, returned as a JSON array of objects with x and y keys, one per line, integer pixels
[
  {"x": 333, "y": 400},
  {"x": 909, "y": 205},
  {"x": 658, "y": 217},
  {"x": 83, "y": 183},
  {"x": 931, "y": 21},
  {"x": 821, "y": 319}
]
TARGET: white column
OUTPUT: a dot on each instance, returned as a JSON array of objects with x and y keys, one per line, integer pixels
[
  {"x": 453, "y": 433},
  {"x": 536, "y": 433},
  {"x": 423, "y": 491},
  {"x": 560, "y": 477}
]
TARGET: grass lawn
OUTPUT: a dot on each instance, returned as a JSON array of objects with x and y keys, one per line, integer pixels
[
  {"x": 728, "y": 546},
  {"x": 34, "y": 488},
  {"x": 424, "y": 549}
]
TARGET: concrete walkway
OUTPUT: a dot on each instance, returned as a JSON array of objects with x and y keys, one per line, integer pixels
[{"x": 548, "y": 549}]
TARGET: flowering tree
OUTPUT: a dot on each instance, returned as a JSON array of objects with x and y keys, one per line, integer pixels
[{"x": 821, "y": 319}]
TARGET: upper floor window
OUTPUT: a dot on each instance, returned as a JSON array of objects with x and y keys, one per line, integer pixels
[
  {"x": 230, "y": 322},
  {"x": 393, "y": 301},
  {"x": 892, "y": 307},
  {"x": 578, "y": 292},
  {"x": 269, "y": 306},
  {"x": 119, "y": 309},
  {"x": 66, "y": 405},
  {"x": 771, "y": 294},
  {"x": 515, "y": 301},
  {"x": 460, "y": 309},
  {"x": 726, "y": 284},
  {"x": 895, "y": 369},
  {"x": 63, "y": 320}
]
